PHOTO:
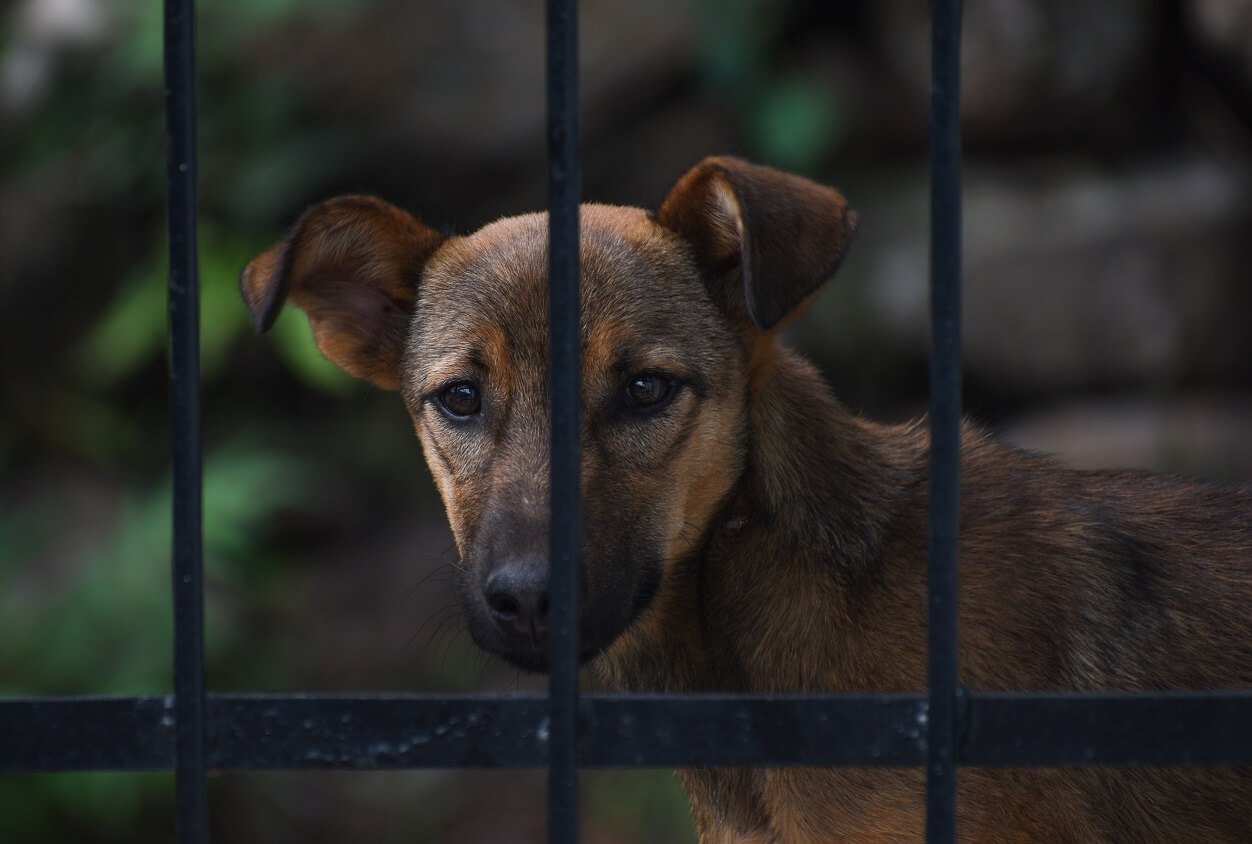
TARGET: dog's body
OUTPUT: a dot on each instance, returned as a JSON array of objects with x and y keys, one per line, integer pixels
[{"x": 746, "y": 532}]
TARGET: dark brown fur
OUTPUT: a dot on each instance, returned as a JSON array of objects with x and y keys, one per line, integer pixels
[{"x": 757, "y": 536}]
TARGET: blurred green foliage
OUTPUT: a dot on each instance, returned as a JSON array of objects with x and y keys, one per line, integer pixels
[
  {"x": 131, "y": 332},
  {"x": 99, "y": 125},
  {"x": 790, "y": 121},
  {"x": 100, "y": 622}
]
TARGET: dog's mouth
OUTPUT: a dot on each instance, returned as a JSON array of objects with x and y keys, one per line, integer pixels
[
  {"x": 529, "y": 650},
  {"x": 534, "y": 656}
]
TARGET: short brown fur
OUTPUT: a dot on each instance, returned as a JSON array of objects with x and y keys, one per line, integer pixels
[{"x": 754, "y": 535}]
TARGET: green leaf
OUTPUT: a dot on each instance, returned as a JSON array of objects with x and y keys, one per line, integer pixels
[
  {"x": 293, "y": 340},
  {"x": 131, "y": 331},
  {"x": 796, "y": 125}
]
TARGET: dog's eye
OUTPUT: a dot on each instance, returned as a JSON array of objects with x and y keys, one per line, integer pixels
[
  {"x": 648, "y": 391},
  {"x": 461, "y": 399}
]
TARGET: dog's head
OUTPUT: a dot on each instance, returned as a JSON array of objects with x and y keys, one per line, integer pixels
[{"x": 679, "y": 312}]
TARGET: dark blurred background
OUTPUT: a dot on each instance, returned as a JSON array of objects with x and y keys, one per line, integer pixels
[{"x": 1108, "y": 236}]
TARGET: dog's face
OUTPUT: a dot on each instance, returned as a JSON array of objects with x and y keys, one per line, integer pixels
[
  {"x": 662, "y": 372},
  {"x": 674, "y": 324}
]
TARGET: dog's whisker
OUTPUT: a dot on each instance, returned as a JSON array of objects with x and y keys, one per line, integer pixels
[
  {"x": 452, "y": 618},
  {"x": 441, "y": 557},
  {"x": 483, "y": 660},
  {"x": 439, "y": 575},
  {"x": 455, "y": 633},
  {"x": 436, "y": 614}
]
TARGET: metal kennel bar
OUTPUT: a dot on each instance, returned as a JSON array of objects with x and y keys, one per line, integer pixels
[
  {"x": 945, "y": 416},
  {"x": 565, "y": 348},
  {"x": 184, "y": 331},
  {"x": 940, "y": 729},
  {"x": 403, "y": 732}
]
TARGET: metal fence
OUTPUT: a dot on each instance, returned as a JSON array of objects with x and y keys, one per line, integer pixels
[{"x": 189, "y": 731}]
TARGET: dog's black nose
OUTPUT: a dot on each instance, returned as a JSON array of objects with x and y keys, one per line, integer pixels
[{"x": 517, "y": 595}]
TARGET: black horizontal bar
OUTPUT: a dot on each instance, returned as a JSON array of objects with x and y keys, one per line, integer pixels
[
  {"x": 377, "y": 732},
  {"x": 1168, "y": 728},
  {"x": 260, "y": 732},
  {"x": 345, "y": 732},
  {"x": 734, "y": 731},
  {"x": 87, "y": 734}
]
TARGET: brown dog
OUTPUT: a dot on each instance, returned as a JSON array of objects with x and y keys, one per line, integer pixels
[{"x": 746, "y": 532}]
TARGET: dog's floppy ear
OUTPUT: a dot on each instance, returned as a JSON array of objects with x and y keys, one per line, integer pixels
[
  {"x": 352, "y": 265},
  {"x": 765, "y": 239}
]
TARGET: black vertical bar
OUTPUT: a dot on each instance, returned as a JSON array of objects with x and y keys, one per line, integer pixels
[
  {"x": 184, "y": 315},
  {"x": 945, "y": 415},
  {"x": 565, "y": 348}
]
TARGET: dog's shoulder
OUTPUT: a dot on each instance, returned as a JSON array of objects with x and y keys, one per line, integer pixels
[{"x": 1127, "y": 579}]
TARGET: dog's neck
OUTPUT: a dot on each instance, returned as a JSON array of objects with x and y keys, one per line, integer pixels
[{"x": 798, "y": 535}]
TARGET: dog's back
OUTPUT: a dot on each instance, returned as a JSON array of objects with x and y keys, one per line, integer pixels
[{"x": 1101, "y": 580}]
